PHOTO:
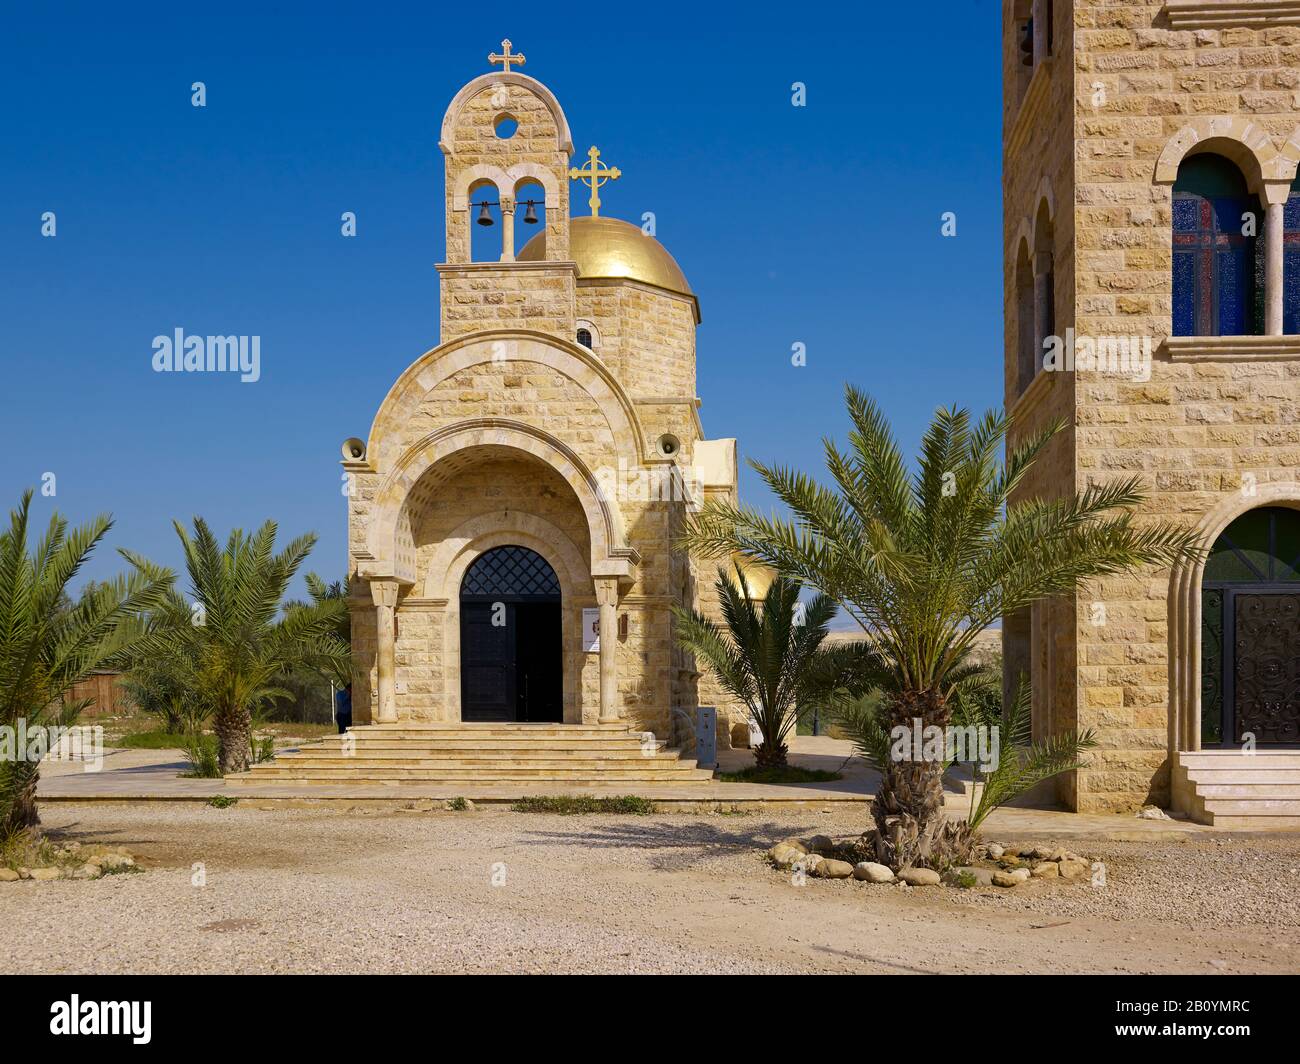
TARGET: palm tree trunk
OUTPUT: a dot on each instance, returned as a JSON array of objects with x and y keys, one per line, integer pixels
[
  {"x": 911, "y": 830},
  {"x": 233, "y": 727},
  {"x": 768, "y": 755}
]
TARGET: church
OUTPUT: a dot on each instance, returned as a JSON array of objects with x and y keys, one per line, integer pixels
[
  {"x": 514, "y": 510},
  {"x": 1150, "y": 199}
]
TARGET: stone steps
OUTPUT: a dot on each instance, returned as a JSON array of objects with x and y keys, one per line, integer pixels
[
  {"x": 480, "y": 754},
  {"x": 1230, "y": 788},
  {"x": 502, "y": 759},
  {"x": 590, "y": 748},
  {"x": 353, "y": 775}
]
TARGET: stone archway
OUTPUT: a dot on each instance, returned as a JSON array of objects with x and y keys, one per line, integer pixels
[
  {"x": 1185, "y": 618},
  {"x": 472, "y": 540}
]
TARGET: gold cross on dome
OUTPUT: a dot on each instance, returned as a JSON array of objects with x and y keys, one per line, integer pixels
[
  {"x": 507, "y": 58},
  {"x": 593, "y": 175}
]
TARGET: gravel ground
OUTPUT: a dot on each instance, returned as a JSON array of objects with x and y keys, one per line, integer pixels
[{"x": 333, "y": 890}]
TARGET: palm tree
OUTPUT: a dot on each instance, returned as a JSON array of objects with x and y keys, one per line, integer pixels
[
  {"x": 235, "y": 633},
  {"x": 48, "y": 645},
  {"x": 324, "y": 595},
  {"x": 925, "y": 561},
  {"x": 763, "y": 656}
]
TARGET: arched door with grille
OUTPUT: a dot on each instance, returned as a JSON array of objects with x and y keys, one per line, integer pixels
[
  {"x": 511, "y": 664},
  {"x": 1250, "y": 632}
]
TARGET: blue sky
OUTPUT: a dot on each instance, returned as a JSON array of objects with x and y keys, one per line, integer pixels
[{"x": 818, "y": 225}]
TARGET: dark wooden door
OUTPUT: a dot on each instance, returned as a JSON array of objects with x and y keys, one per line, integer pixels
[
  {"x": 539, "y": 660},
  {"x": 489, "y": 691},
  {"x": 511, "y": 655}
]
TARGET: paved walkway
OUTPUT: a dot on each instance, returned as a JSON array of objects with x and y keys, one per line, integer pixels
[{"x": 155, "y": 776}]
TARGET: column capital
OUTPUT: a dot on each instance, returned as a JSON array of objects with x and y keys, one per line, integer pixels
[
  {"x": 606, "y": 591},
  {"x": 384, "y": 592},
  {"x": 1276, "y": 193}
]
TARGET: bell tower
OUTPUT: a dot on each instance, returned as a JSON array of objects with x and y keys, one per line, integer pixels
[{"x": 504, "y": 133}]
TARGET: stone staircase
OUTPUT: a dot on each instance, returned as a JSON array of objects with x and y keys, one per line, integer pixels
[
  {"x": 1232, "y": 789},
  {"x": 487, "y": 755}
]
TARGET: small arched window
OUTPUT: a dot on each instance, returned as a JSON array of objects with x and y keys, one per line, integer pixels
[
  {"x": 584, "y": 337},
  {"x": 1217, "y": 259}
]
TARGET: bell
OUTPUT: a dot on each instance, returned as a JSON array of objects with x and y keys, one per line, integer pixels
[
  {"x": 530, "y": 215},
  {"x": 484, "y": 215}
]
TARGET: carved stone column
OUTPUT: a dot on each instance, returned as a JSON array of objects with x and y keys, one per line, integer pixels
[
  {"x": 607, "y": 599},
  {"x": 507, "y": 229},
  {"x": 384, "y": 592},
  {"x": 1275, "y": 196}
]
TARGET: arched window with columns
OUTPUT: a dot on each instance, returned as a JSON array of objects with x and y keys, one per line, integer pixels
[{"x": 1218, "y": 265}]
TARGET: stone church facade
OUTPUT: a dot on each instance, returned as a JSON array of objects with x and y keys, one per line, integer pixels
[
  {"x": 1152, "y": 225},
  {"x": 523, "y": 483}
]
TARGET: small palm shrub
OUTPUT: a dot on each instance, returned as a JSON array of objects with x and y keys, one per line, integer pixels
[
  {"x": 763, "y": 655},
  {"x": 236, "y": 636}
]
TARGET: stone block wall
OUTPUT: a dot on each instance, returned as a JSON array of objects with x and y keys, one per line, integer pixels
[
  {"x": 524, "y": 295},
  {"x": 647, "y": 335}
]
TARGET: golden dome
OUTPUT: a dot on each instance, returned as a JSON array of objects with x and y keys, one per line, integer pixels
[{"x": 611, "y": 247}]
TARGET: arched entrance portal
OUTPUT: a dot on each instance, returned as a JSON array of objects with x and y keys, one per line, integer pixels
[
  {"x": 510, "y": 639},
  {"x": 1250, "y": 632}
]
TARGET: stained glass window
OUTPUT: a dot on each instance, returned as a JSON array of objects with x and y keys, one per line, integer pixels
[
  {"x": 1216, "y": 253},
  {"x": 1291, "y": 265}
]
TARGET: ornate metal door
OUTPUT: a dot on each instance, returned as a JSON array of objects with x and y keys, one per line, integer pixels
[{"x": 1265, "y": 699}]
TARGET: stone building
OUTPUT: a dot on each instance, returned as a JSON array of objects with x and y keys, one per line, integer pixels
[
  {"x": 1152, "y": 305},
  {"x": 513, "y": 513}
]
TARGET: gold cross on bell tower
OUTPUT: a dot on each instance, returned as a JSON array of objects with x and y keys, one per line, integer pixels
[
  {"x": 506, "y": 58},
  {"x": 593, "y": 175}
]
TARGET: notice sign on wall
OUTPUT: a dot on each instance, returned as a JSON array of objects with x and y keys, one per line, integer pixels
[{"x": 591, "y": 630}]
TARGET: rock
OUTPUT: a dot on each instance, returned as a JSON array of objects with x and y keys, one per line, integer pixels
[
  {"x": 1040, "y": 853},
  {"x": 87, "y": 871},
  {"x": 784, "y": 856},
  {"x": 24, "y": 873},
  {"x": 794, "y": 844},
  {"x": 873, "y": 872},
  {"x": 1010, "y": 879},
  {"x": 994, "y": 850},
  {"x": 1010, "y": 851},
  {"x": 1073, "y": 868},
  {"x": 821, "y": 844},
  {"x": 46, "y": 874},
  {"x": 828, "y": 869},
  {"x": 1152, "y": 812},
  {"x": 983, "y": 877},
  {"x": 8, "y": 875},
  {"x": 114, "y": 860},
  {"x": 1045, "y": 870},
  {"x": 810, "y": 863},
  {"x": 1010, "y": 862},
  {"x": 919, "y": 877}
]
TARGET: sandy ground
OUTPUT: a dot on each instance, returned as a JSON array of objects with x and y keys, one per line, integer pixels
[{"x": 333, "y": 890}]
